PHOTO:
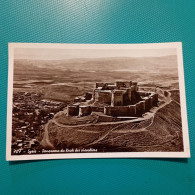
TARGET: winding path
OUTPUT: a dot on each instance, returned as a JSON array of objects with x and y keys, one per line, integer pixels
[{"x": 45, "y": 141}]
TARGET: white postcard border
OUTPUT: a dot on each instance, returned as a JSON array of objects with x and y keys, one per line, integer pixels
[{"x": 176, "y": 45}]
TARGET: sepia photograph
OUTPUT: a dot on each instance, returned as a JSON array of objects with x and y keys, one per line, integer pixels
[{"x": 96, "y": 101}]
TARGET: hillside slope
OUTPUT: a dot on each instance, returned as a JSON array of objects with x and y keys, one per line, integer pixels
[{"x": 161, "y": 132}]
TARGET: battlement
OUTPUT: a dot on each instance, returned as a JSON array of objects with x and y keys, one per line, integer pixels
[{"x": 125, "y": 84}]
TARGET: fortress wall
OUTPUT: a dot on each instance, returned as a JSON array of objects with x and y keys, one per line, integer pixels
[
  {"x": 139, "y": 109},
  {"x": 155, "y": 99},
  {"x": 111, "y": 87},
  {"x": 133, "y": 88},
  {"x": 96, "y": 95},
  {"x": 135, "y": 85},
  {"x": 125, "y": 84},
  {"x": 88, "y": 96},
  {"x": 110, "y": 83},
  {"x": 143, "y": 106},
  {"x": 143, "y": 93},
  {"x": 103, "y": 84},
  {"x": 97, "y": 109},
  {"x": 117, "y": 98},
  {"x": 72, "y": 110},
  {"x": 132, "y": 110},
  {"x": 84, "y": 110},
  {"x": 100, "y": 84},
  {"x": 80, "y": 99},
  {"x": 103, "y": 96},
  {"x": 107, "y": 110},
  {"x": 147, "y": 106},
  {"x": 151, "y": 101},
  {"x": 105, "y": 118},
  {"x": 129, "y": 94},
  {"x": 94, "y": 91},
  {"x": 155, "y": 96},
  {"x": 117, "y": 111},
  {"x": 131, "y": 83},
  {"x": 126, "y": 99},
  {"x": 154, "y": 102},
  {"x": 119, "y": 84}
]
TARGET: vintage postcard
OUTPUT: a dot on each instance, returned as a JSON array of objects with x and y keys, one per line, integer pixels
[{"x": 96, "y": 101}]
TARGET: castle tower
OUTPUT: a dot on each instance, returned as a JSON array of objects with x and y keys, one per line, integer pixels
[
  {"x": 100, "y": 84},
  {"x": 151, "y": 101},
  {"x": 147, "y": 103},
  {"x": 127, "y": 97},
  {"x": 129, "y": 94},
  {"x": 72, "y": 110},
  {"x": 135, "y": 84},
  {"x": 107, "y": 110},
  {"x": 155, "y": 99},
  {"x": 130, "y": 83},
  {"x": 102, "y": 96},
  {"x": 117, "y": 98},
  {"x": 84, "y": 110},
  {"x": 88, "y": 96},
  {"x": 124, "y": 84}
]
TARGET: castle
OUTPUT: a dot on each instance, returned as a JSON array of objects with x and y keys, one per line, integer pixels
[{"x": 120, "y": 99}]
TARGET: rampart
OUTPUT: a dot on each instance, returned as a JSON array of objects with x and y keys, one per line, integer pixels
[
  {"x": 117, "y": 98},
  {"x": 97, "y": 109},
  {"x": 125, "y": 84},
  {"x": 84, "y": 110},
  {"x": 117, "y": 110}
]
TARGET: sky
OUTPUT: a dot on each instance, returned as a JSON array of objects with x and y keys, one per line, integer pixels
[{"x": 60, "y": 54}]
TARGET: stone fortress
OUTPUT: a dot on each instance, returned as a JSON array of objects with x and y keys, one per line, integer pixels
[{"x": 120, "y": 99}]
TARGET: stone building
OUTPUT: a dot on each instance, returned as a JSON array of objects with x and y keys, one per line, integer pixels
[{"x": 122, "y": 98}]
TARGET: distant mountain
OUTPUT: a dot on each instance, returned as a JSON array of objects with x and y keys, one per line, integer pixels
[{"x": 102, "y": 64}]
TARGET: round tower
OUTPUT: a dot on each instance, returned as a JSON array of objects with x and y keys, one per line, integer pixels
[{"x": 72, "y": 110}]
